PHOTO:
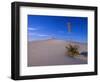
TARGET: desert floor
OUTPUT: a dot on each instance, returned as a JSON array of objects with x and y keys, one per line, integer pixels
[{"x": 53, "y": 52}]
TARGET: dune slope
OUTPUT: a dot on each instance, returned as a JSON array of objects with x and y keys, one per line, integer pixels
[{"x": 53, "y": 52}]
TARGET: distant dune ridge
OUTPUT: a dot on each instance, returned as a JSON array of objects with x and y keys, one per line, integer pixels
[{"x": 53, "y": 52}]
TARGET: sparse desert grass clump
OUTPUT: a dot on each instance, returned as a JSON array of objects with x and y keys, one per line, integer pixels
[{"x": 72, "y": 50}]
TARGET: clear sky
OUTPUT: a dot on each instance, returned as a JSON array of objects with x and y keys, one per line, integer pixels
[{"x": 44, "y": 27}]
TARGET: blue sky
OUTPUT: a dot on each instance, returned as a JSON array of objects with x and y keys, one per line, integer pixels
[{"x": 44, "y": 27}]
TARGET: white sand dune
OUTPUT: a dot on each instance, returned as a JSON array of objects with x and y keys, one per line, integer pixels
[{"x": 53, "y": 52}]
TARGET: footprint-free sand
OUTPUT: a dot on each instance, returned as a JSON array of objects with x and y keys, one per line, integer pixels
[{"x": 53, "y": 52}]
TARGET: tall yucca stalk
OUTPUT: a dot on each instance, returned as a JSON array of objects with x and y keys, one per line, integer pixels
[{"x": 72, "y": 50}]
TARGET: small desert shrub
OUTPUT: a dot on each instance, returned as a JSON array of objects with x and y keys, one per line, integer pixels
[{"x": 72, "y": 50}]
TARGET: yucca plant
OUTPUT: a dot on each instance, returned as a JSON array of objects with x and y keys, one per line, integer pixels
[{"x": 72, "y": 50}]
